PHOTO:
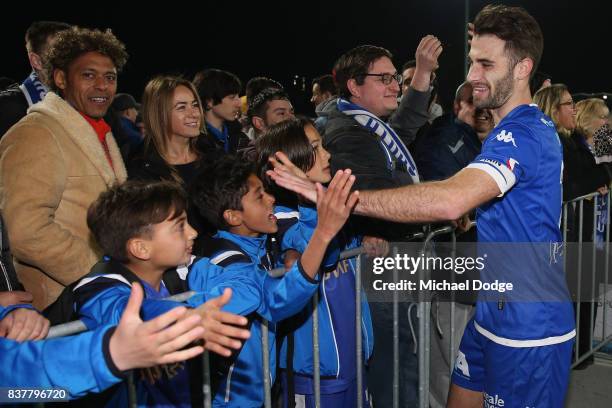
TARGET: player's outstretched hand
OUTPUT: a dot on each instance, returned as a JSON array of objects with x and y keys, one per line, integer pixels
[
  {"x": 138, "y": 344},
  {"x": 289, "y": 176}
]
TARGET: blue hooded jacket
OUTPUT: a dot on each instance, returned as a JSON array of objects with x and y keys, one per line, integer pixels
[{"x": 264, "y": 297}]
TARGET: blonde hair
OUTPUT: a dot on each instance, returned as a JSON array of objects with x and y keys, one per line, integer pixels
[
  {"x": 157, "y": 115},
  {"x": 548, "y": 99},
  {"x": 587, "y": 111}
]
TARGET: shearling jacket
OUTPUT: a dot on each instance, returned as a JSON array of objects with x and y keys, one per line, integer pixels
[{"x": 52, "y": 167}]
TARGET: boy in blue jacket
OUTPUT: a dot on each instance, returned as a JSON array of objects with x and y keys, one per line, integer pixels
[
  {"x": 232, "y": 197},
  {"x": 143, "y": 229},
  {"x": 96, "y": 360}
]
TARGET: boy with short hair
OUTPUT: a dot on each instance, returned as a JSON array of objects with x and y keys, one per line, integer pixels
[
  {"x": 232, "y": 197},
  {"x": 143, "y": 230}
]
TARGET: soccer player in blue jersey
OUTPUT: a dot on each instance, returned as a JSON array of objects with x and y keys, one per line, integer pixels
[{"x": 513, "y": 354}]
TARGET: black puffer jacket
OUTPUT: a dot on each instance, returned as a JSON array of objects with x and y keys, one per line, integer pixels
[
  {"x": 581, "y": 176},
  {"x": 354, "y": 147},
  {"x": 13, "y": 107},
  {"x": 237, "y": 139}
]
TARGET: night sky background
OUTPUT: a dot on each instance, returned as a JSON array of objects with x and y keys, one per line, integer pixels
[{"x": 281, "y": 39}]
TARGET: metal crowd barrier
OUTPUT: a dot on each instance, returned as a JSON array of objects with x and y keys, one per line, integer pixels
[
  {"x": 577, "y": 206},
  {"x": 424, "y": 308}
]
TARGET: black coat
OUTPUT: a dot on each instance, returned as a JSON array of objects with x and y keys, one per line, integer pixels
[
  {"x": 13, "y": 107},
  {"x": 354, "y": 147},
  {"x": 148, "y": 165},
  {"x": 581, "y": 176},
  {"x": 237, "y": 139},
  {"x": 448, "y": 146}
]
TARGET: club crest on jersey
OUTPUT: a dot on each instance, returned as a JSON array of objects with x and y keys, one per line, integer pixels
[{"x": 505, "y": 137}]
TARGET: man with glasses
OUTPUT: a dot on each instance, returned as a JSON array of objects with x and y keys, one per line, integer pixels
[{"x": 369, "y": 133}]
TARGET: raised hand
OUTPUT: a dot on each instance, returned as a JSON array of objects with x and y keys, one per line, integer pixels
[
  {"x": 220, "y": 334},
  {"x": 138, "y": 344},
  {"x": 426, "y": 56},
  {"x": 335, "y": 205},
  {"x": 470, "y": 33}
]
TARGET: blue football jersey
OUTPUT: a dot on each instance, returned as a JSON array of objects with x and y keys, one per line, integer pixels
[{"x": 520, "y": 231}]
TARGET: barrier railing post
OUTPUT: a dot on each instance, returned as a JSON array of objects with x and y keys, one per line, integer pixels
[
  {"x": 606, "y": 266},
  {"x": 566, "y": 248},
  {"x": 395, "y": 338},
  {"x": 315, "y": 350},
  {"x": 451, "y": 350},
  {"x": 427, "y": 341},
  {"x": 265, "y": 351},
  {"x": 593, "y": 271},
  {"x": 206, "y": 388},
  {"x": 423, "y": 391},
  {"x": 579, "y": 294},
  {"x": 358, "y": 333}
]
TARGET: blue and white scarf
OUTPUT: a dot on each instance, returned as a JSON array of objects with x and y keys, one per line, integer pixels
[
  {"x": 389, "y": 140},
  {"x": 33, "y": 89}
]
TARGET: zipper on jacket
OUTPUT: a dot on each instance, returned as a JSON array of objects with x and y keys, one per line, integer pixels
[
  {"x": 4, "y": 271},
  {"x": 228, "y": 383}
]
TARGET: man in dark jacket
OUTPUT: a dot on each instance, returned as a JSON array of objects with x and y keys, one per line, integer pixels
[
  {"x": 220, "y": 94},
  {"x": 455, "y": 139},
  {"x": 358, "y": 138},
  {"x": 16, "y": 99}
]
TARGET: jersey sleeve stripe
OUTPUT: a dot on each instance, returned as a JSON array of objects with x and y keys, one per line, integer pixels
[{"x": 502, "y": 175}]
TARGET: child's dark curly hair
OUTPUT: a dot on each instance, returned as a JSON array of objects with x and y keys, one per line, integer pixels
[
  {"x": 220, "y": 186},
  {"x": 76, "y": 41}
]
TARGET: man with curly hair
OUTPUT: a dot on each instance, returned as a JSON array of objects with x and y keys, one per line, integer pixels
[{"x": 57, "y": 160}]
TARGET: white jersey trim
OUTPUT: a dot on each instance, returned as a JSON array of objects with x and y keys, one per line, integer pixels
[
  {"x": 287, "y": 215},
  {"x": 223, "y": 256},
  {"x": 548, "y": 341},
  {"x": 114, "y": 276},
  {"x": 502, "y": 175}
]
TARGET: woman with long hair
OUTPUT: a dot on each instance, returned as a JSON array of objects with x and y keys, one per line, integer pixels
[
  {"x": 581, "y": 175},
  {"x": 172, "y": 149}
]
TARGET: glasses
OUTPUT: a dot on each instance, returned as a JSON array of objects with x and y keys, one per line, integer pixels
[
  {"x": 568, "y": 103},
  {"x": 387, "y": 78}
]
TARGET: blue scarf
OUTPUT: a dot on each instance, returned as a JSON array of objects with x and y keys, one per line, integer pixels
[
  {"x": 33, "y": 89},
  {"x": 388, "y": 139}
]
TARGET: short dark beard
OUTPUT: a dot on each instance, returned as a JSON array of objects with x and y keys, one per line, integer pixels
[{"x": 503, "y": 91}]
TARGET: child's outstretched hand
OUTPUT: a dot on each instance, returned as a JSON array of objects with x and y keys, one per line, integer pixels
[
  {"x": 221, "y": 333},
  {"x": 335, "y": 205},
  {"x": 137, "y": 344}
]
